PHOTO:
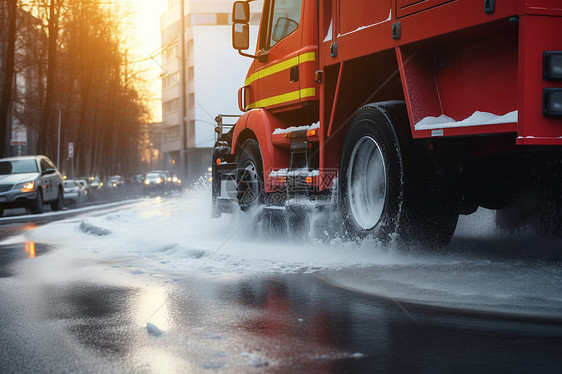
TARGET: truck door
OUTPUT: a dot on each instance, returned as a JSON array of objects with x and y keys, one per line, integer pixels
[{"x": 276, "y": 75}]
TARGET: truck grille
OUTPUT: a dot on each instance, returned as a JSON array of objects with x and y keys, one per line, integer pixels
[{"x": 5, "y": 187}]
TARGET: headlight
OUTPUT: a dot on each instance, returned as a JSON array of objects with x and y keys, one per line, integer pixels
[{"x": 25, "y": 187}]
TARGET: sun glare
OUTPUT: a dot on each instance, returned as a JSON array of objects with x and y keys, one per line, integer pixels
[{"x": 144, "y": 18}]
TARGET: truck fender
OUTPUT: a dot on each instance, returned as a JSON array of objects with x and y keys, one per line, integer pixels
[{"x": 260, "y": 124}]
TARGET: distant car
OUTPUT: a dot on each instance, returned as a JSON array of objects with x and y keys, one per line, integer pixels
[
  {"x": 95, "y": 184},
  {"x": 30, "y": 182},
  {"x": 155, "y": 181},
  {"x": 115, "y": 181},
  {"x": 75, "y": 191}
]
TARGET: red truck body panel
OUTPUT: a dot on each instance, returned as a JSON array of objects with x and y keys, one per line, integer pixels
[{"x": 450, "y": 57}]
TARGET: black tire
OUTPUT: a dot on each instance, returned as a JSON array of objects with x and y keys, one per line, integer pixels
[
  {"x": 249, "y": 176},
  {"x": 58, "y": 204},
  {"x": 37, "y": 206},
  {"x": 371, "y": 136},
  {"x": 387, "y": 185}
]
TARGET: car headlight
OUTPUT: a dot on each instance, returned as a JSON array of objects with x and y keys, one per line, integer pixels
[{"x": 25, "y": 187}]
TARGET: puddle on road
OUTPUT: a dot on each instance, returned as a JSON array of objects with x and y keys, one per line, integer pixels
[{"x": 12, "y": 253}]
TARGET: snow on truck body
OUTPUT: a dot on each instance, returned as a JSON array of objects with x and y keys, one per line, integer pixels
[{"x": 427, "y": 109}]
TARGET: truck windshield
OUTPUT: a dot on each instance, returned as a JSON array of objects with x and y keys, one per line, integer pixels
[
  {"x": 18, "y": 167},
  {"x": 286, "y": 16}
]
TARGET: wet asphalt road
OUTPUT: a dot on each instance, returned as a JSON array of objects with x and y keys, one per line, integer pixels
[{"x": 293, "y": 323}]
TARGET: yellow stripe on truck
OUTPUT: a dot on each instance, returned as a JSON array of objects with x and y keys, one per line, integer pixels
[
  {"x": 284, "y": 98},
  {"x": 284, "y": 65}
]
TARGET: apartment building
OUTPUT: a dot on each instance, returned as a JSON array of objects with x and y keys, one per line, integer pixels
[{"x": 213, "y": 72}]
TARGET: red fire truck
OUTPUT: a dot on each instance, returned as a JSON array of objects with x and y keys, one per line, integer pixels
[{"x": 403, "y": 114}]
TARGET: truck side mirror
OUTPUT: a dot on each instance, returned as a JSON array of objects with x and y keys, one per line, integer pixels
[
  {"x": 241, "y": 12},
  {"x": 240, "y": 36},
  {"x": 241, "y": 27}
]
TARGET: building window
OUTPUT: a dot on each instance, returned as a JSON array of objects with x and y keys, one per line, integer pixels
[
  {"x": 190, "y": 73},
  {"x": 191, "y": 101},
  {"x": 170, "y": 54},
  {"x": 173, "y": 132},
  {"x": 170, "y": 106},
  {"x": 171, "y": 80},
  {"x": 171, "y": 33}
]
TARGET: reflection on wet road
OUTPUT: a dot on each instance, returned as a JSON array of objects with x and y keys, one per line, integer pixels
[
  {"x": 96, "y": 297},
  {"x": 10, "y": 254},
  {"x": 270, "y": 324}
]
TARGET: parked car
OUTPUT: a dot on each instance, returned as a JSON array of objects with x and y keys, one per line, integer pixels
[
  {"x": 75, "y": 191},
  {"x": 30, "y": 182}
]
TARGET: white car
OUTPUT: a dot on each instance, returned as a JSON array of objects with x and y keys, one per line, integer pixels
[
  {"x": 75, "y": 191},
  {"x": 30, "y": 182}
]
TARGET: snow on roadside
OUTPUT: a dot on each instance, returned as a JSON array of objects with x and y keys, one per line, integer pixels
[{"x": 177, "y": 236}]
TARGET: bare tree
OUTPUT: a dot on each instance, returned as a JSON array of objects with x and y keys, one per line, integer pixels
[
  {"x": 53, "y": 30},
  {"x": 8, "y": 74},
  {"x": 78, "y": 64}
]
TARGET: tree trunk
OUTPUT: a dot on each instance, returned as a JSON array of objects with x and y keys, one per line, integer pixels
[
  {"x": 8, "y": 76},
  {"x": 51, "y": 70}
]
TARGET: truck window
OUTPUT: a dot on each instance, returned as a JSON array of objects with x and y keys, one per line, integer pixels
[{"x": 285, "y": 18}]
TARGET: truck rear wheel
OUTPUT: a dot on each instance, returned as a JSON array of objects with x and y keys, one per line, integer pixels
[
  {"x": 370, "y": 175},
  {"x": 249, "y": 179},
  {"x": 387, "y": 184}
]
